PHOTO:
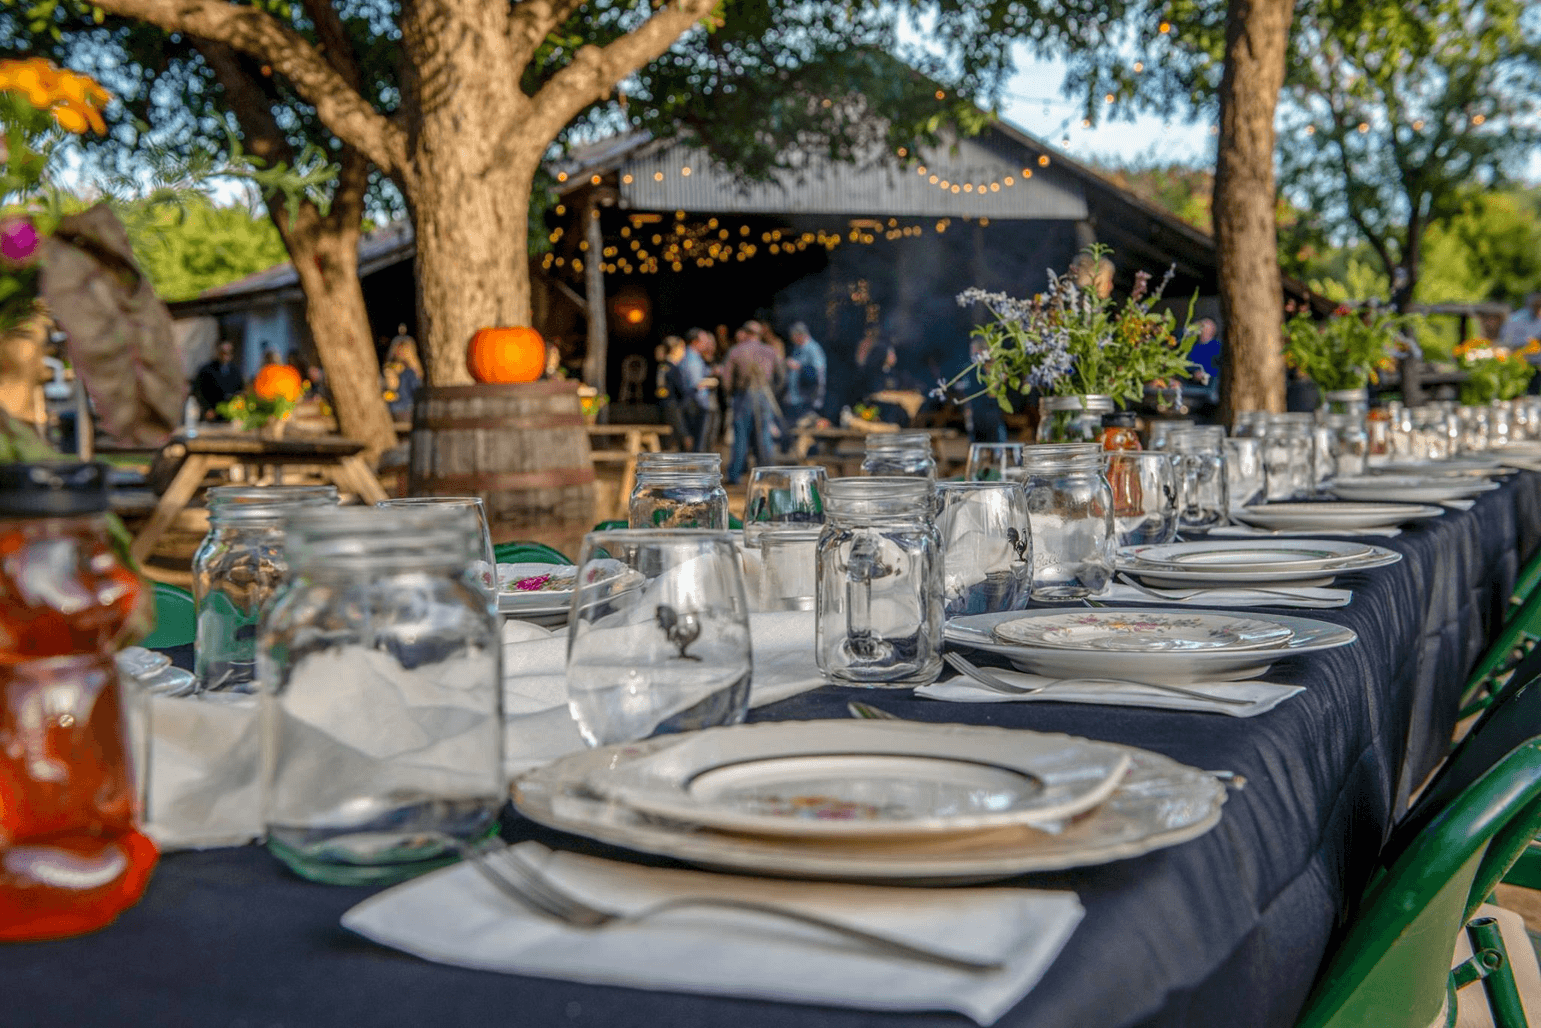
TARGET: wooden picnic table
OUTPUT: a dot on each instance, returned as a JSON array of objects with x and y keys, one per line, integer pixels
[
  {"x": 219, "y": 450},
  {"x": 634, "y": 440}
]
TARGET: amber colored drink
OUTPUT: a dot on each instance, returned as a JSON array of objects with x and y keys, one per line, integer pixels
[{"x": 71, "y": 858}]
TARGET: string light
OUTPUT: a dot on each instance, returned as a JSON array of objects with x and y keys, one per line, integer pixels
[
  {"x": 1479, "y": 119},
  {"x": 1418, "y": 125},
  {"x": 1364, "y": 127},
  {"x": 1165, "y": 27}
]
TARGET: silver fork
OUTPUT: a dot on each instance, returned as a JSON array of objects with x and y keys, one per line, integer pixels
[
  {"x": 1188, "y": 594},
  {"x": 999, "y": 684},
  {"x": 517, "y": 879}
]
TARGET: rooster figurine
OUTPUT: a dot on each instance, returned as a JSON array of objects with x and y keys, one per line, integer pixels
[{"x": 680, "y": 628}]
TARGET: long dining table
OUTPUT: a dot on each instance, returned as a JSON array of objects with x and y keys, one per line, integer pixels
[{"x": 1228, "y": 929}]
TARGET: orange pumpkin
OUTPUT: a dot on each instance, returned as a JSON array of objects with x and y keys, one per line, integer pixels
[
  {"x": 278, "y": 380},
  {"x": 506, "y": 355}
]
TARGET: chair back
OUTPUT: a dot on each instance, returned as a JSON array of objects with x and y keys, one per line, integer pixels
[
  {"x": 176, "y": 618},
  {"x": 528, "y": 553},
  {"x": 1392, "y": 967}
]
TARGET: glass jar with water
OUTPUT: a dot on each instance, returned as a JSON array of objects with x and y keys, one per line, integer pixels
[
  {"x": 237, "y": 569},
  {"x": 878, "y": 616},
  {"x": 382, "y": 696},
  {"x": 678, "y": 490}
]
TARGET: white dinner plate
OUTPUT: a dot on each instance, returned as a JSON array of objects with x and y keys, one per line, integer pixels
[
  {"x": 1159, "y": 803},
  {"x": 1459, "y": 467},
  {"x": 1245, "y": 555},
  {"x": 1299, "y": 571},
  {"x": 1174, "y": 667},
  {"x": 862, "y": 780},
  {"x": 548, "y": 587},
  {"x": 1329, "y": 516},
  {"x": 1408, "y": 488},
  {"x": 1118, "y": 631}
]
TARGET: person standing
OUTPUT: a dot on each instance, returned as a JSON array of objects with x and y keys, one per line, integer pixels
[
  {"x": 217, "y": 381},
  {"x": 697, "y": 380},
  {"x": 401, "y": 376},
  {"x": 807, "y": 375},
  {"x": 669, "y": 389},
  {"x": 751, "y": 376}
]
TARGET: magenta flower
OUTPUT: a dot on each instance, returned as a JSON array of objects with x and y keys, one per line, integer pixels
[{"x": 18, "y": 241}]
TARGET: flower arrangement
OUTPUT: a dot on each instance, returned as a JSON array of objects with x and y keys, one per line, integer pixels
[
  {"x": 592, "y": 401},
  {"x": 250, "y": 412},
  {"x": 1074, "y": 340},
  {"x": 865, "y": 411},
  {"x": 1348, "y": 350},
  {"x": 37, "y": 103},
  {"x": 1494, "y": 372}
]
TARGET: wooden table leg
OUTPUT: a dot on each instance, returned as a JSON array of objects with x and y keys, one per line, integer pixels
[
  {"x": 629, "y": 471},
  {"x": 172, "y": 502},
  {"x": 365, "y": 484}
]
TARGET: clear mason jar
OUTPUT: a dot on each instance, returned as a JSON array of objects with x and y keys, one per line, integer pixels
[
  {"x": 382, "y": 728},
  {"x": 679, "y": 490},
  {"x": 1289, "y": 457},
  {"x": 1400, "y": 437},
  {"x": 1475, "y": 429},
  {"x": 1070, "y": 511},
  {"x": 902, "y": 454},
  {"x": 1431, "y": 434},
  {"x": 237, "y": 569},
  {"x": 1249, "y": 423},
  {"x": 1162, "y": 429},
  {"x": 878, "y": 617},
  {"x": 987, "y": 547},
  {"x": 1072, "y": 419},
  {"x": 1349, "y": 444},
  {"x": 1500, "y": 423},
  {"x": 1353, "y": 402},
  {"x": 1198, "y": 455}
]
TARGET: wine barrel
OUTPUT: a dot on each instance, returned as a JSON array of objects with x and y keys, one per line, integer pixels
[{"x": 522, "y": 448}]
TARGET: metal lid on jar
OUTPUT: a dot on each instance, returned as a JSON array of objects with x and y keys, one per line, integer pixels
[
  {"x": 51, "y": 489},
  {"x": 1120, "y": 419},
  {"x": 1095, "y": 403}
]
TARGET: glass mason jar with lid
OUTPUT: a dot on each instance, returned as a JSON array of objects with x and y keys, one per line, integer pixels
[
  {"x": 878, "y": 612},
  {"x": 1072, "y": 419},
  {"x": 678, "y": 490},
  {"x": 1070, "y": 512},
  {"x": 900, "y": 454},
  {"x": 237, "y": 569},
  {"x": 380, "y": 666}
]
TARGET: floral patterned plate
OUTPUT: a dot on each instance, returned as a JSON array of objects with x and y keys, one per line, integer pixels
[
  {"x": 1144, "y": 633},
  {"x": 839, "y": 779}
]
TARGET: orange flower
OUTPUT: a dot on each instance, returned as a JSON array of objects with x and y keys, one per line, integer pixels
[{"x": 75, "y": 101}]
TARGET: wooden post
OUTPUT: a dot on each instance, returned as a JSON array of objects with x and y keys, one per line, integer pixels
[{"x": 596, "y": 361}]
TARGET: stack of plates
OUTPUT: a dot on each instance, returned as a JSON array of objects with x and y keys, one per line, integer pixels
[
  {"x": 536, "y": 592},
  {"x": 1214, "y": 563},
  {"x": 1419, "y": 488},
  {"x": 1457, "y": 467},
  {"x": 875, "y": 800},
  {"x": 1341, "y": 516},
  {"x": 1145, "y": 645}
]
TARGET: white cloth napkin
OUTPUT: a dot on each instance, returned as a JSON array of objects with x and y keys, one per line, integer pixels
[
  {"x": 1249, "y": 532},
  {"x": 1264, "y": 695},
  {"x": 204, "y": 765},
  {"x": 454, "y": 917},
  {"x": 1317, "y": 597},
  {"x": 539, "y": 727}
]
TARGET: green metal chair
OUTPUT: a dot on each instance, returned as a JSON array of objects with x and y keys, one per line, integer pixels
[
  {"x": 528, "y": 553},
  {"x": 1521, "y": 629},
  {"x": 1525, "y": 585},
  {"x": 176, "y": 618},
  {"x": 1392, "y": 967}
]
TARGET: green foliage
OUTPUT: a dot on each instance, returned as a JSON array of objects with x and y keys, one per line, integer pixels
[
  {"x": 1347, "y": 350},
  {"x": 1185, "y": 190},
  {"x": 1075, "y": 341},
  {"x": 185, "y": 252},
  {"x": 1492, "y": 372}
]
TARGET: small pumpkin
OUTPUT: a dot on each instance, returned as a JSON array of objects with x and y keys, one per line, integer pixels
[
  {"x": 506, "y": 355},
  {"x": 277, "y": 381}
]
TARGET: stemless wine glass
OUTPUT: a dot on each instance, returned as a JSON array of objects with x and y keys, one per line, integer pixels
[
  {"x": 485, "y": 566},
  {"x": 986, "y": 545},
  {"x": 658, "y": 637},
  {"x": 1198, "y": 454},
  {"x": 1144, "y": 497},
  {"x": 987, "y": 462},
  {"x": 1245, "y": 478},
  {"x": 781, "y": 497}
]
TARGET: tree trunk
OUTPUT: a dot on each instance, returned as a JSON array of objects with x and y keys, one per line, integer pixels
[
  {"x": 1246, "y": 236},
  {"x": 327, "y": 262}
]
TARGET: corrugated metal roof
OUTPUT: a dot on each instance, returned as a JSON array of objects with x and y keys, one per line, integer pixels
[{"x": 969, "y": 179}]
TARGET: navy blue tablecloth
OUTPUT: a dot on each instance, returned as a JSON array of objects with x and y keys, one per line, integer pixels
[{"x": 1226, "y": 930}]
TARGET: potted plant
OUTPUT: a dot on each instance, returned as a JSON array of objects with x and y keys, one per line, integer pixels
[
  {"x": 1344, "y": 353},
  {"x": 1085, "y": 353}
]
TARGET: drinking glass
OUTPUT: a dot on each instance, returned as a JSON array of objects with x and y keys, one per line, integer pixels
[
  {"x": 1070, "y": 510},
  {"x": 658, "y": 637},
  {"x": 1144, "y": 497},
  {"x": 678, "y": 490},
  {"x": 1161, "y": 430},
  {"x": 1245, "y": 477},
  {"x": 1289, "y": 457},
  {"x": 1348, "y": 445},
  {"x": 485, "y": 564},
  {"x": 987, "y": 547},
  {"x": 899, "y": 453},
  {"x": 783, "y": 514},
  {"x": 1198, "y": 454},
  {"x": 783, "y": 497},
  {"x": 987, "y": 462}
]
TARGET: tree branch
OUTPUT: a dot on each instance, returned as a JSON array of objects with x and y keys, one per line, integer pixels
[
  {"x": 595, "y": 71},
  {"x": 340, "y": 107},
  {"x": 531, "y": 21},
  {"x": 336, "y": 47}
]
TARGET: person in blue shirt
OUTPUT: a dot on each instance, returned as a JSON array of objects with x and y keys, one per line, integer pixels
[
  {"x": 695, "y": 373},
  {"x": 1206, "y": 354},
  {"x": 807, "y": 375}
]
